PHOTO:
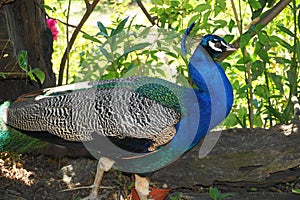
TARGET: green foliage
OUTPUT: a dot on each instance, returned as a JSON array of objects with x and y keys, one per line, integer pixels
[
  {"x": 20, "y": 143},
  {"x": 34, "y": 74},
  {"x": 176, "y": 196},
  {"x": 126, "y": 47},
  {"x": 129, "y": 50},
  {"x": 13, "y": 141},
  {"x": 296, "y": 191},
  {"x": 216, "y": 195}
]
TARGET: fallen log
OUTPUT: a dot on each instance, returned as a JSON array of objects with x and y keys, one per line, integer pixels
[{"x": 240, "y": 157}]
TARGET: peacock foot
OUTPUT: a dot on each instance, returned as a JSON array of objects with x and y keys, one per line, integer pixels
[{"x": 104, "y": 165}]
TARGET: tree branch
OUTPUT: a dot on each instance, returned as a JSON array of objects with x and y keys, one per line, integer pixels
[
  {"x": 151, "y": 19},
  {"x": 89, "y": 10},
  {"x": 65, "y": 23},
  {"x": 269, "y": 16},
  {"x": 68, "y": 48}
]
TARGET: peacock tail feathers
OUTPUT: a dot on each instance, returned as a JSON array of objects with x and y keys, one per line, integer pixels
[
  {"x": 4, "y": 133},
  {"x": 12, "y": 140}
]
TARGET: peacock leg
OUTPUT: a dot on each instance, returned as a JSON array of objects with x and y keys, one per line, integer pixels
[
  {"x": 142, "y": 187},
  {"x": 104, "y": 165}
]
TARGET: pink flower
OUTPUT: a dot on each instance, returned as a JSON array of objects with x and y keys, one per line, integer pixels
[{"x": 52, "y": 24}]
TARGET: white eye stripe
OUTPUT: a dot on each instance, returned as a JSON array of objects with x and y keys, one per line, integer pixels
[
  {"x": 223, "y": 43},
  {"x": 212, "y": 45}
]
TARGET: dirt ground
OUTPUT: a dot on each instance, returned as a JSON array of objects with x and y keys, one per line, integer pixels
[{"x": 36, "y": 176}]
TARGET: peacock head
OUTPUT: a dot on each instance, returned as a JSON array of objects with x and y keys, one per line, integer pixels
[{"x": 215, "y": 45}]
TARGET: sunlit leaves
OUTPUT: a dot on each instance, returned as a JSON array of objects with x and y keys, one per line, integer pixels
[
  {"x": 282, "y": 42},
  {"x": 119, "y": 28},
  {"x": 202, "y": 7},
  {"x": 285, "y": 30},
  {"x": 102, "y": 29},
  {"x": 277, "y": 80},
  {"x": 254, "y": 4},
  {"x": 231, "y": 25},
  {"x": 257, "y": 68},
  {"x": 245, "y": 38}
]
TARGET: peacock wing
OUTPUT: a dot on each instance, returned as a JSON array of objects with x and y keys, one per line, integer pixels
[{"x": 122, "y": 108}]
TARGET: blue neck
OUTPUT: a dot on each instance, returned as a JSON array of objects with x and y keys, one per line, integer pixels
[
  {"x": 213, "y": 100},
  {"x": 211, "y": 79}
]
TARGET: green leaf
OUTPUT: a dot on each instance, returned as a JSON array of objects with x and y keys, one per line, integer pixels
[
  {"x": 257, "y": 68},
  {"x": 299, "y": 18},
  {"x": 46, "y": 7},
  {"x": 258, "y": 47},
  {"x": 175, "y": 3},
  {"x": 145, "y": 32},
  {"x": 128, "y": 70},
  {"x": 242, "y": 116},
  {"x": 298, "y": 49},
  {"x": 285, "y": 30},
  {"x": 202, "y": 7},
  {"x": 158, "y": 2},
  {"x": 296, "y": 191},
  {"x": 254, "y": 4},
  {"x": 259, "y": 27},
  {"x": 214, "y": 193},
  {"x": 120, "y": 27},
  {"x": 282, "y": 42},
  {"x": 107, "y": 55},
  {"x": 245, "y": 38},
  {"x": 274, "y": 112},
  {"x": 220, "y": 5},
  {"x": 264, "y": 55},
  {"x": 231, "y": 25},
  {"x": 102, "y": 28},
  {"x": 222, "y": 23},
  {"x": 194, "y": 18},
  {"x": 228, "y": 38},
  {"x": 89, "y": 37},
  {"x": 134, "y": 48},
  {"x": 258, "y": 120},
  {"x": 223, "y": 196},
  {"x": 39, "y": 74},
  {"x": 205, "y": 17},
  {"x": 277, "y": 80},
  {"x": 23, "y": 60},
  {"x": 262, "y": 91},
  {"x": 2, "y": 75},
  {"x": 230, "y": 120},
  {"x": 263, "y": 38}
]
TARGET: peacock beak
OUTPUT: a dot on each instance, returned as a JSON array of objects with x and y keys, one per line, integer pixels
[{"x": 231, "y": 48}]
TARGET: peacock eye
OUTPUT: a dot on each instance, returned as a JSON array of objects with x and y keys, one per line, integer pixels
[{"x": 218, "y": 44}]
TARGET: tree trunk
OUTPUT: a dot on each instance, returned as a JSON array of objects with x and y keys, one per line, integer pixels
[{"x": 23, "y": 27}]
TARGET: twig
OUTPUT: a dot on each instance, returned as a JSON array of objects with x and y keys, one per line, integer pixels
[
  {"x": 85, "y": 187},
  {"x": 248, "y": 70},
  {"x": 89, "y": 10},
  {"x": 236, "y": 17},
  {"x": 65, "y": 23},
  {"x": 272, "y": 13},
  {"x": 139, "y": 2},
  {"x": 68, "y": 48}
]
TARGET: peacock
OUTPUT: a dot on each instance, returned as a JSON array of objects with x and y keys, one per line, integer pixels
[{"x": 137, "y": 124}]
